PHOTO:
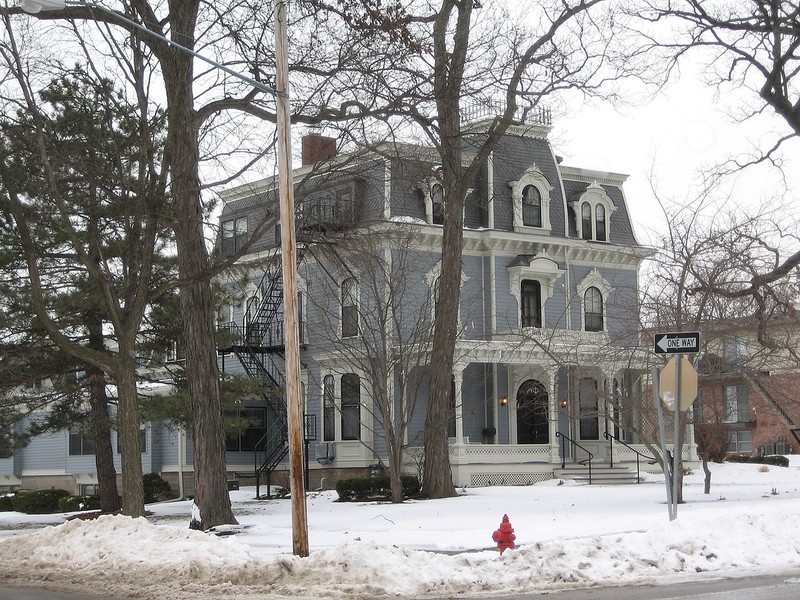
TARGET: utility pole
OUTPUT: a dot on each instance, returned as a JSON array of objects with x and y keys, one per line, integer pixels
[{"x": 289, "y": 258}]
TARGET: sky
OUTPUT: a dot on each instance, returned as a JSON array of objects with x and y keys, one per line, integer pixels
[
  {"x": 567, "y": 536},
  {"x": 670, "y": 140}
]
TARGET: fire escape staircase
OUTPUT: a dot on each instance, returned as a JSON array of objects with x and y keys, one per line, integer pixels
[{"x": 259, "y": 346}]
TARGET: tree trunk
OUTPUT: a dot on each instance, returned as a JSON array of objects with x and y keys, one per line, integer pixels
[
  {"x": 101, "y": 426},
  {"x": 707, "y": 480},
  {"x": 438, "y": 474},
  {"x": 212, "y": 502},
  {"x": 128, "y": 431},
  {"x": 103, "y": 451}
]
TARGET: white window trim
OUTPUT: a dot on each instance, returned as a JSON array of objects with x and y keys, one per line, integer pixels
[
  {"x": 594, "y": 279},
  {"x": 540, "y": 268},
  {"x": 594, "y": 195},
  {"x": 532, "y": 176}
]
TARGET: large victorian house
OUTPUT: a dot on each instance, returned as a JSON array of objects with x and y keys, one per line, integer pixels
[{"x": 547, "y": 349}]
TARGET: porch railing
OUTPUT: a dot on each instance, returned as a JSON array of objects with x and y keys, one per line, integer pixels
[
  {"x": 566, "y": 438},
  {"x": 612, "y": 438}
]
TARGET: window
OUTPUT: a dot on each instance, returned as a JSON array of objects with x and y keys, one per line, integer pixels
[
  {"x": 89, "y": 489},
  {"x": 349, "y": 307},
  {"x": 530, "y": 195},
  {"x": 142, "y": 442},
  {"x": 594, "y": 292},
  {"x": 234, "y": 234},
  {"x": 175, "y": 352},
  {"x": 741, "y": 442},
  {"x": 593, "y": 309},
  {"x": 437, "y": 204},
  {"x": 531, "y": 303},
  {"x": 234, "y": 227},
  {"x": 80, "y": 443},
  {"x": 592, "y": 211},
  {"x": 252, "y": 423},
  {"x": 586, "y": 221},
  {"x": 351, "y": 407},
  {"x": 737, "y": 404},
  {"x": 532, "y": 280},
  {"x": 531, "y": 206},
  {"x": 600, "y": 222},
  {"x": 734, "y": 350},
  {"x": 328, "y": 409}
]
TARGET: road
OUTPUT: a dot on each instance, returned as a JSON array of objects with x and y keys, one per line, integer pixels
[{"x": 773, "y": 587}]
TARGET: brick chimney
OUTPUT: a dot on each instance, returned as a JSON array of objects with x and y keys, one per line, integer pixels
[{"x": 317, "y": 148}]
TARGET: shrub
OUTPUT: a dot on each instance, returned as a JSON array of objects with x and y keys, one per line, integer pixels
[
  {"x": 38, "y": 502},
  {"x": 76, "y": 503},
  {"x": 374, "y": 488},
  {"x": 156, "y": 489},
  {"x": 776, "y": 460},
  {"x": 5, "y": 503}
]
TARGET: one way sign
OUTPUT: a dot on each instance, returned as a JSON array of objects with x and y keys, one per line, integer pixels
[{"x": 677, "y": 343}]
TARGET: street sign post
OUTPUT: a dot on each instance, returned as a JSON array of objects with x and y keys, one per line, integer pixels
[
  {"x": 676, "y": 343},
  {"x": 676, "y": 383},
  {"x": 678, "y": 389}
]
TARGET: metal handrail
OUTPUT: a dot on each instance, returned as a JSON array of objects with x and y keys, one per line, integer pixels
[
  {"x": 611, "y": 437},
  {"x": 574, "y": 443}
]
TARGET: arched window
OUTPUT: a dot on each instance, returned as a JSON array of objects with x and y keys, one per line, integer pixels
[
  {"x": 437, "y": 203},
  {"x": 531, "y": 206},
  {"x": 328, "y": 409},
  {"x": 586, "y": 220},
  {"x": 592, "y": 213},
  {"x": 531, "y": 303},
  {"x": 593, "y": 309},
  {"x": 351, "y": 407},
  {"x": 349, "y": 307},
  {"x": 600, "y": 222}
]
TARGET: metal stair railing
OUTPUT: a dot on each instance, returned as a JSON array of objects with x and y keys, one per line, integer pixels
[
  {"x": 611, "y": 438},
  {"x": 576, "y": 444},
  {"x": 261, "y": 323}
]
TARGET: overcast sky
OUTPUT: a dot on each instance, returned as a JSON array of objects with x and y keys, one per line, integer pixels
[{"x": 674, "y": 136}]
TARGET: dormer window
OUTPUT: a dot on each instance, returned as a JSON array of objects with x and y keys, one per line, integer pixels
[
  {"x": 593, "y": 209},
  {"x": 530, "y": 195}
]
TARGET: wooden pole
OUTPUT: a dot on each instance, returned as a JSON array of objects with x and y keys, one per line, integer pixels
[{"x": 289, "y": 263}]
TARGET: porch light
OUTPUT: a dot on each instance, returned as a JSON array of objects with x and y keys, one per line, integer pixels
[
  {"x": 503, "y": 400},
  {"x": 563, "y": 404}
]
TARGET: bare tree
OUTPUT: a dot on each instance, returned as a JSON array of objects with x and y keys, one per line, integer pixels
[
  {"x": 751, "y": 46},
  {"x": 393, "y": 320}
]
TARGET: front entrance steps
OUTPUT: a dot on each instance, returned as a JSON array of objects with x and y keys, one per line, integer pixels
[{"x": 602, "y": 474}]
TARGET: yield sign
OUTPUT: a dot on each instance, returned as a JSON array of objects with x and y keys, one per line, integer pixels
[
  {"x": 686, "y": 389},
  {"x": 676, "y": 343}
]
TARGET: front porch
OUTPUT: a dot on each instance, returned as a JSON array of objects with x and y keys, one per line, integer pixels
[{"x": 479, "y": 465}]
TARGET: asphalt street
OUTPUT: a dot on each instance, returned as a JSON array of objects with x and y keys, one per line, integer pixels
[{"x": 773, "y": 587}]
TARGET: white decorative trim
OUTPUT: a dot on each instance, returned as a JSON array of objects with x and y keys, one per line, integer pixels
[
  {"x": 594, "y": 279},
  {"x": 540, "y": 268},
  {"x": 595, "y": 195},
  {"x": 532, "y": 176}
]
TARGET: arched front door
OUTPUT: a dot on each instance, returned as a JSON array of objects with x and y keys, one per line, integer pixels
[{"x": 532, "y": 423}]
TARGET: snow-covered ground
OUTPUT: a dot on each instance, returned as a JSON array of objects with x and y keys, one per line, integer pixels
[{"x": 567, "y": 536}]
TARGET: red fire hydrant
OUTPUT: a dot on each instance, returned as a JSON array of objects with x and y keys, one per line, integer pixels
[{"x": 505, "y": 535}]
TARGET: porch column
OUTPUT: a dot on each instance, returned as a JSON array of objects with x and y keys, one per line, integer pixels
[
  {"x": 458, "y": 380},
  {"x": 553, "y": 408}
]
